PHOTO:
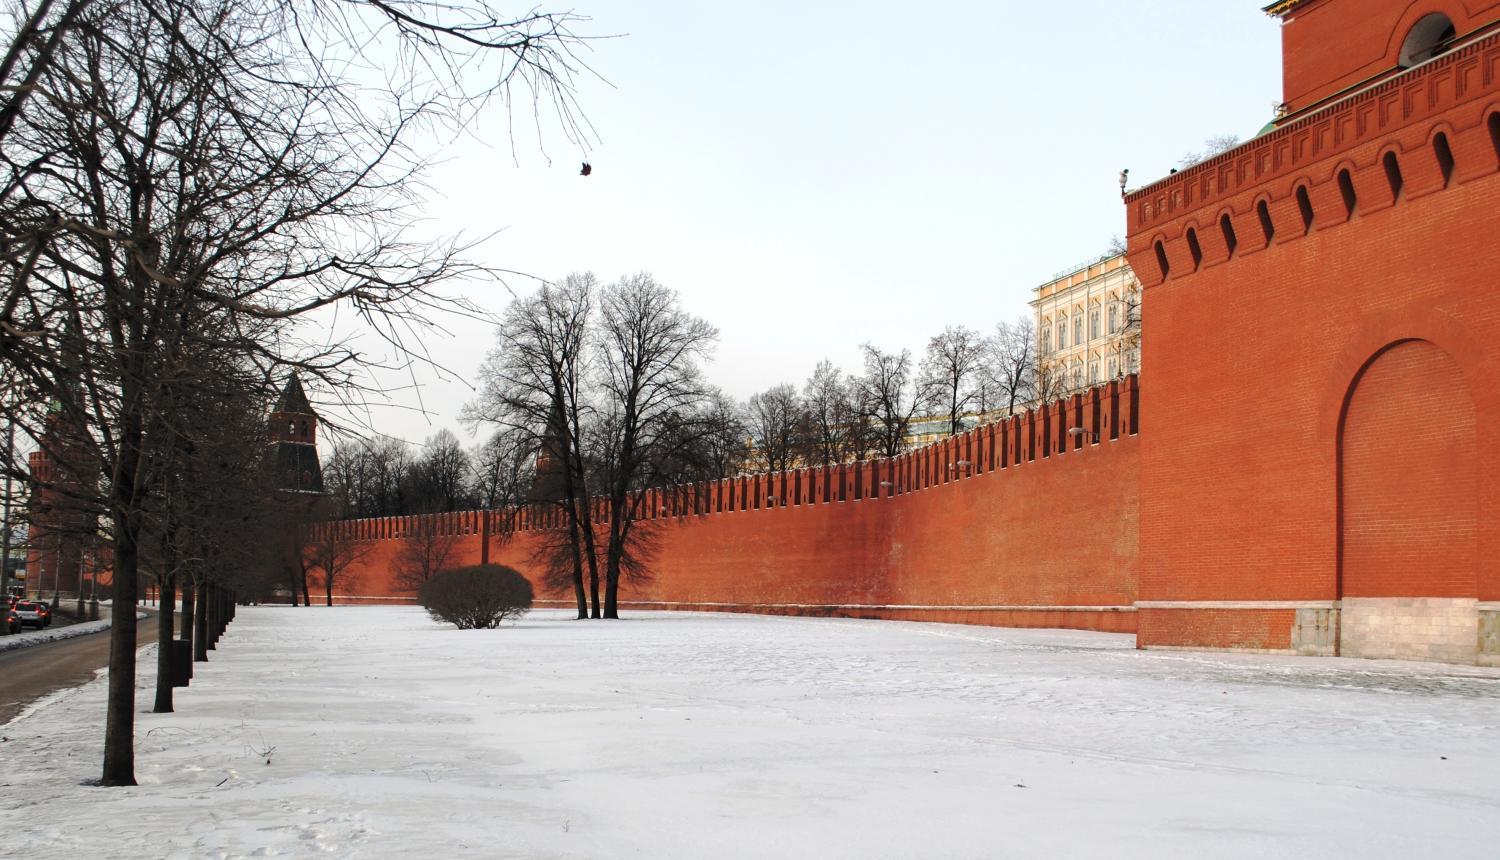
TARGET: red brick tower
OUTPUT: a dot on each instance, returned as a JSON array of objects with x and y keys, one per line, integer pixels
[
  {"x": 294, "y": 432},
  {"x": 1332, "y": 484},
  {"x": 56, "y": 533}
]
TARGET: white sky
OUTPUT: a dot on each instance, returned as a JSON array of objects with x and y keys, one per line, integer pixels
[{"x": 813, "y": 175}]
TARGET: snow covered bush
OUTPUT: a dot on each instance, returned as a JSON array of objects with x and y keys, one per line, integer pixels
[{"x": 476, "y": 598}]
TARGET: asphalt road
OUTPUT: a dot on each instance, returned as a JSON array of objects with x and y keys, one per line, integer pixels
[{"x": 27, "y": 674}]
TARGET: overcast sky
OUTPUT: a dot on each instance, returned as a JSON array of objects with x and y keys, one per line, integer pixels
[{"x": 813, "y": 175}]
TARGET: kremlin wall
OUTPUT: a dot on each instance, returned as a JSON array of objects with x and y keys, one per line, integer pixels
[
  {"x": 1016, "y": 523},
  {"x": 1328, "y": 486}
]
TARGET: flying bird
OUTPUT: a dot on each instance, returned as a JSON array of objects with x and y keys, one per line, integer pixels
[{"x": 587, "y": 169}]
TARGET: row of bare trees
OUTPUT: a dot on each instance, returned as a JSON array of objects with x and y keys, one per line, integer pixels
[
  {"x": 188, "y": 183},
  {"x": 385, "y": 478},
  {"x": 839, "y": 417}
]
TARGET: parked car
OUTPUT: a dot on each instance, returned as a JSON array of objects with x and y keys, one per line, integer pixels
[
  {"x": 12, "y": 623},
  {"x": 32, "y": 613},
  {"x": 46, "y": 612}
]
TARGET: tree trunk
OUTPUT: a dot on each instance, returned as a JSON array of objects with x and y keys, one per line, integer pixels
[
  {"x": 612, "y": 590},
  {"x": 613, "y": 555},
  {"x": 576, "y": 539},
  {"x": 328, "y": 589},
  {"x": 164, "y": 647},
  {"x": 211, "y": 616},
  {"x": 306, "y": 595},
  {"x": 594, "y": 592},
  {"x": 200, "y": 626},
  {"x": 119, "y": 722},
  {"x": 185, "y": 630}
]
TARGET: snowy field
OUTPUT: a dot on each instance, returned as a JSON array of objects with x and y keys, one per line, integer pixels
[{"x": 686, "y": 735}]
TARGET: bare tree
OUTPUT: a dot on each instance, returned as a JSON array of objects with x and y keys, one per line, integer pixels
[
  {"x": 889, "y": 396},
  {"x": 950, "y": 373},
  {"x": 424, "y": 552},
  {"x": 1013, "y": 362},
  {"x": 535, "y": 383},
  {"x": 441, "y": 474},
  {"x": 503, "y": 470},
  {"x": 330, "y": 556},
  {"x": 832, "y": 421},
  {"x": 724, "y": 443},
  {"x": 776, "y": 420},
  {"x": 650, "y": 349},
  {"x": 1211, "y": 147}
]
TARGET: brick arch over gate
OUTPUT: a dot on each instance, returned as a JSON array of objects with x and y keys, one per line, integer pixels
[{"x": 1408, "y": 507}]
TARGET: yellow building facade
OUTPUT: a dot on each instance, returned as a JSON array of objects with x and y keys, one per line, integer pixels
[{"x": 1088, "y": 326}]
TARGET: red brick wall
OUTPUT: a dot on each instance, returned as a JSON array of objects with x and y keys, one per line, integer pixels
[
  {"x": 1251, "y": 354},
  {"x": 1253, "y": 629},
  {"x": 966, "y": 533}
]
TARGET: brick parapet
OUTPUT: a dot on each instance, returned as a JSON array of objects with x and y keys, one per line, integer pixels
[
  {"x": 1453, "y": 94},
  {"x": 1073, "y": 426}
]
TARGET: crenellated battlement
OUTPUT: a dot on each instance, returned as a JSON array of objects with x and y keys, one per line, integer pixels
[
  {"x": 1429, "y": 125},
  {"x": 1070, "y": 427}
]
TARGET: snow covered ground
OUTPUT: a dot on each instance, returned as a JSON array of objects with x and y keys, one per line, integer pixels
[{"x": 374, "y": 732}]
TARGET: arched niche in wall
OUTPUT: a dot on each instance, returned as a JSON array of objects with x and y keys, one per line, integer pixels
[{"x": 1408, "y": 507}]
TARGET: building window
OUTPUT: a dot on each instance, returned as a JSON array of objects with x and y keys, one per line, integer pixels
[
  {"x": 1114, "y": 318},
  {"x": 1429, "y": 37},
  {"x": 1393, "y": 174},
  {"x": 1046, "y": 340},
  {"x": 1093, "y": 373},
  {"x": 1062, "y": 334},
  {"x": 1346, "y": 190},
  {"x": 1114, "y": 368},
  {"x": 1494, "y": 124},
  {"x": 1263, "y": 212},
  {"x": 1304, "y": 206},
  {"x": 1444, "y": 156},
  {"x": 1094, "y": 323},
  {"x": 1078, "y": 328}
]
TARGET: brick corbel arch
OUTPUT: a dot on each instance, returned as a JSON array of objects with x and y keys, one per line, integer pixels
[{"x": 1433, "y": 325}]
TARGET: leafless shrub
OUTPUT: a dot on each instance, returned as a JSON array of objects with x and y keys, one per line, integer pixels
[{"x": 476, "y": 598}]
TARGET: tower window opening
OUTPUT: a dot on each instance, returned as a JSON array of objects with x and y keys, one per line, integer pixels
[
  {"x": 1393, "y": 174},
  {"x": 1304, "y": 206},
  {"x": 1263, "y": 212},
  {"x": 1161, "y": 260},
  {"x": 1227, "y": 227},
  {"x": 1346, "y": 190},
  {"x": 1444, "y": 155},
  {"x": 1194, "y": 248},
  {"x": 1430, "y": 36},
  {"x": 1495, "y": 133}
]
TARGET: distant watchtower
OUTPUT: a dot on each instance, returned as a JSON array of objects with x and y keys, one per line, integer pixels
[{"x": 294, "y": 432}]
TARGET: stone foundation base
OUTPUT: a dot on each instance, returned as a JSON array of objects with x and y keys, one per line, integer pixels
[
  {"x": 1315, "y": 633},
  {"x": 1440, "y": 629},
  {"x": 1489, "y": 634}
]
